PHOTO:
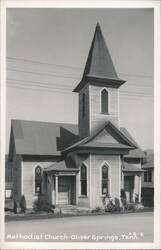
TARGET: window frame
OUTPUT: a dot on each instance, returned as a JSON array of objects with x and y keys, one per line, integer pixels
[
  {"x": 148, "y": 176},
  {"x": 83, "y": 180},
  {"x": 108, "y": 179},
  {"x": 108, "y": 101},
  {"x": 34, "y": 180},
  {"x": 83, "y": 105}
]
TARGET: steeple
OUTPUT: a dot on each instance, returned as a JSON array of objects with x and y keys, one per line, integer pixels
[{"x": 99, "y": 67}]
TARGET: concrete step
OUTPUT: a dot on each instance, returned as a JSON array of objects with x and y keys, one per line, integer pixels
[{"x": 71, "y": 209}]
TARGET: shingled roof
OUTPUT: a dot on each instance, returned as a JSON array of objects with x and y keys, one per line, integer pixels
[
  {"x": 131, "y": 168},
  {"x": 41, "y": 138},
  {"x": 126, "y": 142},
  {"x": 136, "y": 153},
  {"x": 50, "y": 139},
  {"x": 99, "y": 65}
]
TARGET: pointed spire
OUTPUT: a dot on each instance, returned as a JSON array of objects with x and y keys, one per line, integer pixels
[{"x": 99, "y": 64}]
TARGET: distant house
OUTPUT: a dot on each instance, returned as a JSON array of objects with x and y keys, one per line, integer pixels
[
  {"x": 79, "y": 164},
  {"x": 8, "y": 178},
  {"x": 148, "y": 179},
  {"x": 132, "y": 169}
]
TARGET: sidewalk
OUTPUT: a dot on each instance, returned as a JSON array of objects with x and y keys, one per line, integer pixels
[{"x": 10, "y": 216}]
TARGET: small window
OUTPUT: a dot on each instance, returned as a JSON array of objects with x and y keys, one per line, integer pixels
[
  {"x": 83, "y": 180},
  {"x": 83, "y": 103},
  {"x": 104, "y": 101},
  {"x": 105, "y": 180},
  {"x": 145, "y": 176},
  {"x": 38, "y": 180},
  {"x": 148, "y": 176}
]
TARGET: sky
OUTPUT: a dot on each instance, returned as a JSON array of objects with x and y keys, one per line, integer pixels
[{"x": 46, "y": 54}]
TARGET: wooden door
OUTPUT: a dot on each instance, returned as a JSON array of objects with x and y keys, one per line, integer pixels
[
  {"x": 129, "y": 187},
  {"x": 63, "y": 194}
]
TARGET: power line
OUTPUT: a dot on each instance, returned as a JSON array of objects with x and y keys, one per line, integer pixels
[
  {"x": 42, "y": 84},
  {"x": 64, "y": 76},
  {"x": 143, "y": 84},
  {"x": 74, "y": 67},
  {"x": 42, "y": 73},
  {"x": 138, "y": 95},
  {"x": 54, "y": 64},
  {"x": 62, "y": 90}
]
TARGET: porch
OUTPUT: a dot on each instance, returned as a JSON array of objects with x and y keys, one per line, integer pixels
[
  {"x": 131, "y": 182},
  {"x": 60, "y": 184}
]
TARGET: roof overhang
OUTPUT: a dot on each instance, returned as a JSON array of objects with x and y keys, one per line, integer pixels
[{"x": 99, "y": 80}]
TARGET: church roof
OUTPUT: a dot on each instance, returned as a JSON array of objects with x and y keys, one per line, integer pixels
[
  {"x": 131, "y": 168},
  {"x": 106, "y": 145},
  {"x": 41, "y": 138},
  {"x": 125, "y": 141},
  {"x": 136, "y": 153},
  {"x": 99, "y": 65},
  {"x": 60, "y": 166},
  {"x": 50, "y": 139}
]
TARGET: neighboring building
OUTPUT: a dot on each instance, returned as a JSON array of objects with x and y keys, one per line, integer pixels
[
  {"x": 132, "y": 170},
  {"x": 8, "y": 178},
  {"x": 79, "y": 164},
  {"x": 148, "y": 179}
]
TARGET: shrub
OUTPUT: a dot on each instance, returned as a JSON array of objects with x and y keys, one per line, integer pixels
[
  {"x": 123, "y": 197},
  {"x": 136, "y": 198},
  {"x": 96, "y": 210},
  {"x": 110, "y": 207},
  {"x": 23, "y": 204},
  {"x": 41, "y": 204},
  {"x": 117, "y": 205},
  {"x": 15, "y": 207}
]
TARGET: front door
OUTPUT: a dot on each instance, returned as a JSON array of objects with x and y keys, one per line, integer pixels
[
  {"x": 129, "y": 187},
  {"x": 63, "y": 193}
]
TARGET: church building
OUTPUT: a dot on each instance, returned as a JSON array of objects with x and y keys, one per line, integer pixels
[{"x": 79, "y": 164}]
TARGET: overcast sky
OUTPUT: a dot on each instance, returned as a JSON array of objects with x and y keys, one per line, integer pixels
[{"x": 46, "y": 53}]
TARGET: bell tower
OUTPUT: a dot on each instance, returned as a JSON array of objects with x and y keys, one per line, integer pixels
[{"x": 98, "y": 89}]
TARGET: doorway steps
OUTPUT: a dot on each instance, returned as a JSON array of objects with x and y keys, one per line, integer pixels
[{"x": 74, "y": 210}]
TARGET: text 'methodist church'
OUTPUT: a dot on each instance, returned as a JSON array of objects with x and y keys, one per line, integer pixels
[{"x": 79, "y": 164}]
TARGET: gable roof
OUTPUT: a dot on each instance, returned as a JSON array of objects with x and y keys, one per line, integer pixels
[
  {"x": 149, "y": 159},
  {"x": 99, "y": 63},
  {"x": 136, "y": 153},
  {"x": 50, "y": 139},
  {"x": 87, "y": 141},
  {"x": 40, "y": 138},
  {"x": 60, "y": 166},
  {"x": 131, "y": 168}
]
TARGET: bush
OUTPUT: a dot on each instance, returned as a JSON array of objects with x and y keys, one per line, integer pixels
[
  {"x": 123, "y": 198},
  {"x": 117, "y": 205},
  {"x": 110, "y": 207},
  {"x": 23, "y": 204},
  {"x": 96, "y": 210},
  {"x": 41, "y": 204},
  {"x": 15, "y": 207}
]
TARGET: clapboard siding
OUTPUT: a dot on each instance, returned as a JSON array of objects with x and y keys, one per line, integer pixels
[
  {"x": 28, "y": 180},
  {"x": 84, "y": 201},
  {"x": 17, "y": 187},
  {"x": 97, "y": 162},
  {"x": 84, "y": 120},
  {"x": 96, "y": 117},
  {"x": 93, "y": 118}
]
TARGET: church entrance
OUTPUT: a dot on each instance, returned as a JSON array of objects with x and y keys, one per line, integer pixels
[
  {"x": 66, "y": 190},
  {"x": 129, "y": 187}
]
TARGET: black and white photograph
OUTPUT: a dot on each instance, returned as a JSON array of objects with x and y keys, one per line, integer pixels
[{"x": 80, "y": 154}]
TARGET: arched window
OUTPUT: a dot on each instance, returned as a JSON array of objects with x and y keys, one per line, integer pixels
[
  {"x": 105, "y": 180},
  {"x": 104, "y": 101},
  {"x": 83, "y": 180},
  {"x": 83, "y": 105},
  {"x": 38, "y": 180}
]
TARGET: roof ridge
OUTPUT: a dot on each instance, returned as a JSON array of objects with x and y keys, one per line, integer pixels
[{"x": 49, "y": 122}]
